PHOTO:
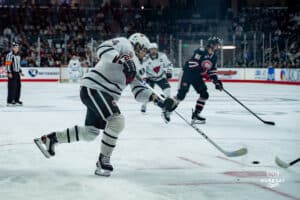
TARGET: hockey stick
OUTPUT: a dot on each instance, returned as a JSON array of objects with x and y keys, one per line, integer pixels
[
  {"x": 264, "y": 121},
  {"x": 283, "y": 164},
  {"x": 239, "y": 152}
]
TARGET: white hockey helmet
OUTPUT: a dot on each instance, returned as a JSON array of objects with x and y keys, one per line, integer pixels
[
  {"x": 153, "y": 45},
  {"x": 139, "y": 38}
]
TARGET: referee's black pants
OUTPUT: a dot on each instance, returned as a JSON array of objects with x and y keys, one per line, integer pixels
[{"x": 14, "y": 88}]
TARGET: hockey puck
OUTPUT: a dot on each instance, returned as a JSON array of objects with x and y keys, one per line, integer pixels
[{"x": 255, "y": 162}]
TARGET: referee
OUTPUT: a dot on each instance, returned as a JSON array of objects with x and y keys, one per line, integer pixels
[{"x": 13, "y": 64}]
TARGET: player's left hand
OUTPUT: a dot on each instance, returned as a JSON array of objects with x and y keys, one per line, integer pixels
[
  {"x": 129, "y": 70},
  {"x": 218, "y": 85},
  {"x": 169, "y": 75}
]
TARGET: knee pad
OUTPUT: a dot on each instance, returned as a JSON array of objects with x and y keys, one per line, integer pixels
[
  {"x": 204, "y": 95},
  {"x": 114, "y": 127},
  {"x": 183, "y": 89},
  {"x": 115, "y": 123},
  {"x": 181, "y": 93}
]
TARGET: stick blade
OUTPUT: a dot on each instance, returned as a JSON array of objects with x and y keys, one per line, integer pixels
[
  {"x": 240, "y": 152},
  {"x": 270, "y": 123},
  {"x": 281, "y": 163}
]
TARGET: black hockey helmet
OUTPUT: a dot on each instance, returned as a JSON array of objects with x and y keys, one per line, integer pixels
[{"x": 212, "y": 41}]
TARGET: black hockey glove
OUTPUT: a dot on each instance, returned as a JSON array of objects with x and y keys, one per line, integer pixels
[
  {"x": 218, "y": 85},
  {"x": 168, "y": 104},
  {"x": 169, "y": 75},
  {"x": 129, "y": 70}
]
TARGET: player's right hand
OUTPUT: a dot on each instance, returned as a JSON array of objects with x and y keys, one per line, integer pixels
[
  {"x": 170, "y": 104},
  {"x": 219, "y": 85},
  {"x": 9, "y": 75}
]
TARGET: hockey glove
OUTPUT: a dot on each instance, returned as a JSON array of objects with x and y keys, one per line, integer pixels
[
  {"x": 129, "y": 70},
  {"x": 218, "y": 85},
  {"x": 169, "y": 75},
  {"x": 170, "y": 104}
]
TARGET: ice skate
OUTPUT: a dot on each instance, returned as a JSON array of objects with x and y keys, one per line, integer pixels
[
  {"x": 46, "y": 144},
  {"x": 19, "y": 103},
  {"x": 11, "y": 104},
  {"x": 104, "y": 167},
  {"x": 166, "y": 116},
  {"x": 143, "y": 108},
  {"x": 197, "y": 119}
]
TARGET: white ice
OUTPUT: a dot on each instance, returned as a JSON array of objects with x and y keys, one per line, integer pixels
[{"x": 154, "y": 160}]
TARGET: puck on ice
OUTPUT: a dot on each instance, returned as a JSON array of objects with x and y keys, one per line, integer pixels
[{"x": 255, "y": 162}]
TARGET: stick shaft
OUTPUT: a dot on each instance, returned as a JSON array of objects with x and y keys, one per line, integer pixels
[
  {"x": 233, "y": 97},
  {"x": 187, "y": 122},
  {"x": 295, "y": 161}
]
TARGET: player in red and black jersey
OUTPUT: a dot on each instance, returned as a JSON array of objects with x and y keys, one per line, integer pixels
[{"x": 201, "y": 65}]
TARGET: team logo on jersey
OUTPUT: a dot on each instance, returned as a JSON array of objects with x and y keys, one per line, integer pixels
[
  {"x": 33, "y": 72},
  {"x": 206, "y": 65},
  {"x": 156, "y": 69}
]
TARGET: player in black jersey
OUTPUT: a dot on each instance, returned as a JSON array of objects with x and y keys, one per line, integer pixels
[{"x": 201, "y": 65}]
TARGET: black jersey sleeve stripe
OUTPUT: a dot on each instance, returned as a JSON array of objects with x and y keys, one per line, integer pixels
[
  {"x": 102, "y": 46},
  {"x": 106, "y": 79},
  {"x": 138, "y": 92},
  {"x": 91, "y": 79},
  {"x": 138, "y": 86},
  {"x": 105, "y": 51}
]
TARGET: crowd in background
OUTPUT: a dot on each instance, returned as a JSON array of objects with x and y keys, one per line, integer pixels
[
  {"x": 65, "y": 30},
  {"x": 277, "y": 26}
]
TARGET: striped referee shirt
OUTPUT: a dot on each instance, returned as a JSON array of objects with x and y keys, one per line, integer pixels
[{"x": 13, "y": 62}]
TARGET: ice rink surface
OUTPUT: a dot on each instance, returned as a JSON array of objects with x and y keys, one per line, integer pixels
[{"x": 154, "y": 160}]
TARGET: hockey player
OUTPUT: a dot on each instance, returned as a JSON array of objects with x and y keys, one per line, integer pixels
[
  {"x": 202, "y": 64},
  {"x": 158, "y": 70},
  {"x": 75, "y": 70},
  {"x": 101, "y": 88}
]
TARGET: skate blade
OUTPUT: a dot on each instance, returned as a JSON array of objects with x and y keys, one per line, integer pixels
[
  {"x": 39, "y": 144},
  {"x": 102, "y": 172}
]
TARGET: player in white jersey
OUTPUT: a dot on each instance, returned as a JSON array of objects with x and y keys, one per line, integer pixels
[
  {"x": 74, "y": 68},
  {"x": 100, "y": 91},
  {"x": 158, "y": 70}
]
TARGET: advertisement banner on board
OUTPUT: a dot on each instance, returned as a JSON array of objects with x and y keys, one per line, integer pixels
[
  {"x": 37, "y": 73},
  {"x": 230, "y": 73}
]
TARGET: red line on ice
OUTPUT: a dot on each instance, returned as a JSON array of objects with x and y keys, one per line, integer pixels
[
  {"x": 275, "y": 191},
  {"x": 235, "y": 183},
  {"x": 246, "y": 173},
  {"x": 192, "y": 161}
]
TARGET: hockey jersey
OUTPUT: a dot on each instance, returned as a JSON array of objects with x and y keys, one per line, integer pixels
[
  {"x": 157, "y": 68},
  {"x": 202, "y": 63},
  {"x": 108, "y": 76},
  {"x": 74, "y": 65}
]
